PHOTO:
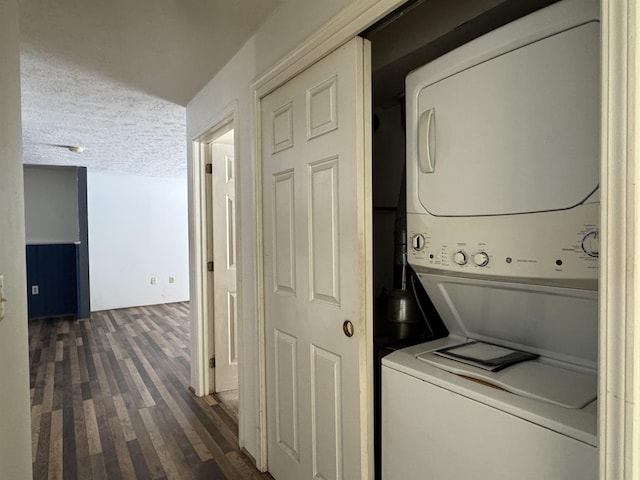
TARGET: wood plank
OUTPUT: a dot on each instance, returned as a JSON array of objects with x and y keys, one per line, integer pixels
[
  {"x": 142, "y": 389},
  {"x": 47, "y": 393},
  {"x": 147, "y": 449},
  {"x": 98, "y": 471},
  {"x": 83, "y": 462},
  {"x": 91, "y": 422},
  {"x": 122, "y": 451},
  {"x": 41, "y": 460},
  {"x": 55, "y": 446},
  {"x": 159, "y": 445},
  {"x": 138, "y": 460},
  {"x": 69, "y": 463},
  {"x": 36, "y": 411},
  {"x": 125, "y": 421}
]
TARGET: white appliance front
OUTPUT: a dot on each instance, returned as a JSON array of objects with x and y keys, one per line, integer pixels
[
  {"x": 503, "y": 152},
  {"x": 510, "y": 119},
  {"x": 439, "y": 425}
]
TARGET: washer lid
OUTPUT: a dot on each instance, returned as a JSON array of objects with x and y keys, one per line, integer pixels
[
  {"x": 536, "y": 379},
  {"x": 554, "y": 322}
]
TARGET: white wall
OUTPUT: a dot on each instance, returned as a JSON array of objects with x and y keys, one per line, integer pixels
[
  {"x": 51, "y": 204},
  {"x": 294, "y": 21},
  {"x": 137, "y": 230},
  {"x": 15, "y": 422}
]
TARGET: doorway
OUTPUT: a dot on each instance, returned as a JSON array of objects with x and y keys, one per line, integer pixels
[
  {"x": 216, "y": 308},
  {"x": 221, "y": 264}
]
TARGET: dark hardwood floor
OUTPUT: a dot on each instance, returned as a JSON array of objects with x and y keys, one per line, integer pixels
[{"x": 110, "y": 400}]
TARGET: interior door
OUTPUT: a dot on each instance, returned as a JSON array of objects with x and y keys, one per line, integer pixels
[
  {"x": 224, "y": 275},
  {"x": 317, "y": 270}
]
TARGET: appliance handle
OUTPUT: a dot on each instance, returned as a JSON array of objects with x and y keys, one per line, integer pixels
[{"x": 427, "y": 141}]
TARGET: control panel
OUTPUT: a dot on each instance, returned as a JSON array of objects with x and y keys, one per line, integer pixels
[{"x": 548, "y": 245}]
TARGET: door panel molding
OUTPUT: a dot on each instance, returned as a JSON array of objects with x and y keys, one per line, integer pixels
[
  {"x": 324, "y": 231},
  {"x": 282, "y": 119},
  {"x": 284, "y": 258},
  {"x": 326, "y": 414},
  {"x": 322, "y": 108},
  {"x": 287, "y": 425}
]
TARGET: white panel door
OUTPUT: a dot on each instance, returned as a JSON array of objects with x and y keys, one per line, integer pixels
[
  {"x": 224, "y": 260},
  {"x": 316, "y": 185}
]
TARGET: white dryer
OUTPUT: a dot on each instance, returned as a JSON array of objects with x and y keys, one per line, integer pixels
[{"x": 502, "y": 214}]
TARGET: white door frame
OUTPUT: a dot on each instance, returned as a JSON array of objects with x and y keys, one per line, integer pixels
[
  {"x": 619, "y": 367},
  {"x": 202, "y": 328}
]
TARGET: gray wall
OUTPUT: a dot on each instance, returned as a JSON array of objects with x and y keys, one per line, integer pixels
[{"x": 51, "y": 204}]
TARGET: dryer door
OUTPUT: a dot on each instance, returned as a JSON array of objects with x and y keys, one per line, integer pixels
[{"x": 516, "y": 134}]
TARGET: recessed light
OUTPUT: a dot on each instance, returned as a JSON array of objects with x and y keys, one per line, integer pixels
[{"x": 72, "y": 148}]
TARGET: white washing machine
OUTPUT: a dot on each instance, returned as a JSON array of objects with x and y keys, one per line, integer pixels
[
  {"x": 502, "y": 214},
  {"x": 535, "y": 420}
]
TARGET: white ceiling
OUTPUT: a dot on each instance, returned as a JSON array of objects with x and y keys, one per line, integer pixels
[{"x": 114, "y": 76}]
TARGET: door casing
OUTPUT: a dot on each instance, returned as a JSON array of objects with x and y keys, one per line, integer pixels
[{"x": 203, "y": 327}]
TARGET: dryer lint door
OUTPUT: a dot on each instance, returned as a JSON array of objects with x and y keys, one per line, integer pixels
[{"x": 516, "y": 134}]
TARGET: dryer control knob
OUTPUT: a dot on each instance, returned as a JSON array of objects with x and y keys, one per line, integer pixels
[
  {"x": 481, "y": 259},
  {"x": 417, "y": 242},
  {"x": 591, "y": 244},
  {"x": 460, "y": 257}
]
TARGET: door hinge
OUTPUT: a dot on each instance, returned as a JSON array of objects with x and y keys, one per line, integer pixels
[
  {"x": 208, "y": 168},
  {"x": 210, "y": 266},
  {"x": 212, "y": 362}
]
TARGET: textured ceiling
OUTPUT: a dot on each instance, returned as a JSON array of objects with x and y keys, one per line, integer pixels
[{"x": 114, "y": 77}]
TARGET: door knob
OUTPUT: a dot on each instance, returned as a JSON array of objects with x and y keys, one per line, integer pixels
[{"x": 347, "y": 328}]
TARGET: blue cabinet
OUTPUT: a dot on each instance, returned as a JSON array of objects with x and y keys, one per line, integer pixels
[{"x": 53, "y": 269}]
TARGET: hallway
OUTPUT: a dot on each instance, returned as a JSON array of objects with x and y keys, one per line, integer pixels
[{"x": 110, "y": 400}]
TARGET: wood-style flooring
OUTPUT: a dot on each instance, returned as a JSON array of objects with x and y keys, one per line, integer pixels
[{"x": 110, "y": 400}]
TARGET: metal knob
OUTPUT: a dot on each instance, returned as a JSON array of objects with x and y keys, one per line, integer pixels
[
  {"x": 417, "y": 242},
  {"x": 481, "y": 259},
  {"x": 591, "y": 244},
  {"x": 347, "y": 328},
  {"x": 460, "y": 258}
]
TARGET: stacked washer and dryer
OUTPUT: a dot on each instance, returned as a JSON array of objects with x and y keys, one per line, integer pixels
[{"x": 503, "y": 210}]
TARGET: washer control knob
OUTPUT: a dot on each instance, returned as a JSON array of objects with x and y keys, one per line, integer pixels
[
  {"x": 481, "y": 259},
  {"x": 417, "y": 242},
  {"x": 591, "y": 244},
  {"x": 460, "y": 257}
]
